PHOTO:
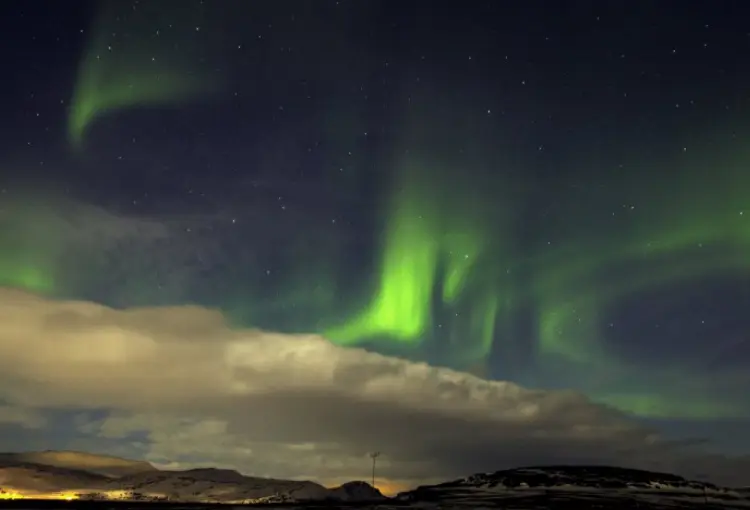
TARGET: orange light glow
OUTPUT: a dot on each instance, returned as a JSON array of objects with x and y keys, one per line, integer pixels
[{"x": 390, "y": 488}]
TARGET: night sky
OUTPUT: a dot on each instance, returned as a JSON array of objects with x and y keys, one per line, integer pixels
[{"x": 549, "y": 196}]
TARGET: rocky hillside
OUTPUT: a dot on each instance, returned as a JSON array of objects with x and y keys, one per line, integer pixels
[{"x": 357, "y": 491}]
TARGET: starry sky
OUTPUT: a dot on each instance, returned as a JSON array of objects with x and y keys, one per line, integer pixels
[{"x": 539, "y": 199}]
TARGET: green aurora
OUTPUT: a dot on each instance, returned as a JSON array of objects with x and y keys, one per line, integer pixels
[
  {"x": 137, "y": 57},
  {"x": 452, "y": 248}
]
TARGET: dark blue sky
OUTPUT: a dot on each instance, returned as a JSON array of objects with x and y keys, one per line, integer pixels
[{"x": 586, "y": 159}]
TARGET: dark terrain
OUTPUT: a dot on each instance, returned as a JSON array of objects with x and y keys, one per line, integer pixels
[{"x": 142, "y": 486}]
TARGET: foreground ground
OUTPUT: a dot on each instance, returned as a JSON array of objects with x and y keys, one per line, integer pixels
[{"x": 512, "y": 500}]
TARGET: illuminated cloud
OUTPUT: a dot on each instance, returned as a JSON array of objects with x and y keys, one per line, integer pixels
[
  {"x": 295, "y": 406},
  {"x": 289, "y": 275}
]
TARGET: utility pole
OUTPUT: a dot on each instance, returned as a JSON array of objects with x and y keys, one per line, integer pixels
[{"x": 374, "y": 456}]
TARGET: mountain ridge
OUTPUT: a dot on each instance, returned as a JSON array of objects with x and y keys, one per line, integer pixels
[
  {"x": 561, "y": 486},
  {"x": 78, "y": 475},
  {"x": 74, "y": 475}
]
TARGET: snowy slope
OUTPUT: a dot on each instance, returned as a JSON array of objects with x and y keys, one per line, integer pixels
[
  {"x": 214, "y": 485},
  {"x": 579, "y": 486},
  {"x": 57, "y": 474},
  {"x": 52, "y": 474},
  {"x": 30, "y": 478}
]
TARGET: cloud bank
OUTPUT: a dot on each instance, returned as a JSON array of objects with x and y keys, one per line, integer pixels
[{"x": 195, "y": 391}]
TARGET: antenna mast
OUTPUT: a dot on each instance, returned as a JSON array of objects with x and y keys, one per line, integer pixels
[{"x": 374, "y": 456}]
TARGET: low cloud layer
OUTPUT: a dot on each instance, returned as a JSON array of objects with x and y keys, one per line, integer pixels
[{"x": 194, "y": 391}]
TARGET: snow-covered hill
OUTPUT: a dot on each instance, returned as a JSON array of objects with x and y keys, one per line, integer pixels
[
  {"x": 213, "y": 485},
  {"x": 28, "y": 478},
  {"x": 579, "y": 486},
  {"x": 71, "y": 474},
  {"x": 76, "y": 474}
]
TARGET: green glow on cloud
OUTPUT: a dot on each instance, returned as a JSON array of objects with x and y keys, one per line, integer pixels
[
  {"x": 26, "y": 277},
  {"x": 452, "y": 264}
]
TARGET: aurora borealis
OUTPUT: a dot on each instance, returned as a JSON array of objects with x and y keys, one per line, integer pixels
[
  {"x": 112, "y": 75},
  {"x": 550, "y": 202}
]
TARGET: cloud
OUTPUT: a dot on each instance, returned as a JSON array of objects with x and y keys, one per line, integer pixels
[
  {"x": 28, "y": 418},
  {"x": 190, "y": 390},
  {"x": 67, "y": 247},
  {"x": 71, "y": 245}
]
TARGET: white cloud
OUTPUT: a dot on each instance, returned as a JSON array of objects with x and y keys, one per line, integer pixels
[{"x": 296, "y": 405}]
